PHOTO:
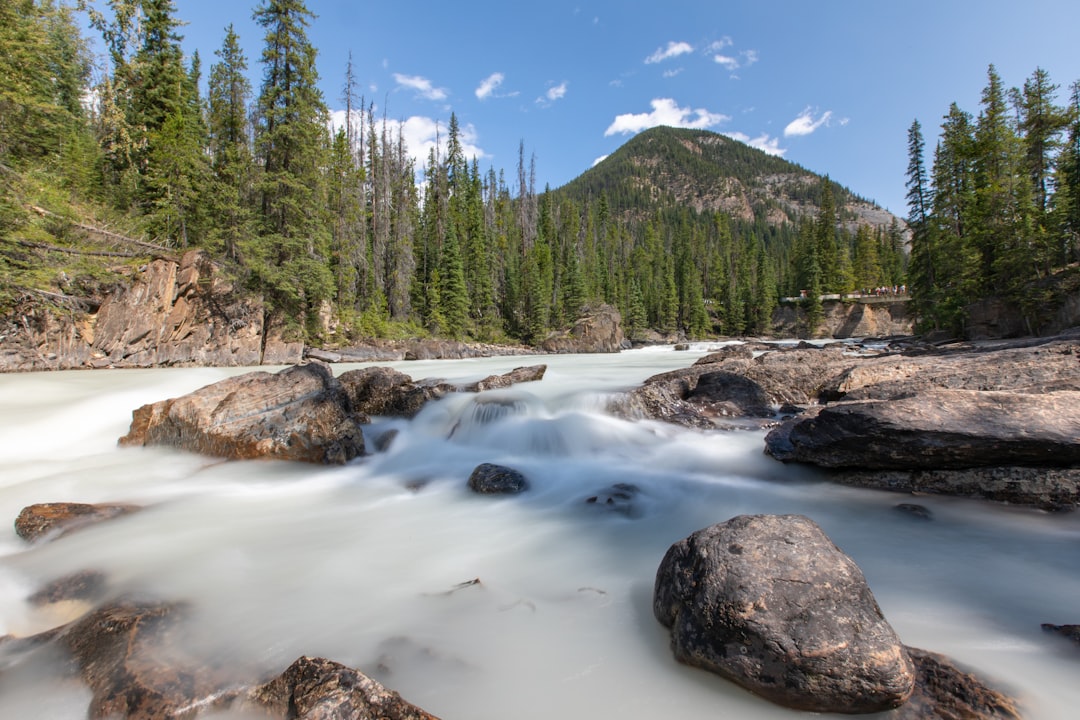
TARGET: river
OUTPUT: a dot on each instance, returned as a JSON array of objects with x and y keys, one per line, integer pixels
[{"x": 360, "y": 563}]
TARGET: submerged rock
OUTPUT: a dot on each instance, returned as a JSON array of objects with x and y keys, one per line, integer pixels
[
  {"x": 772, "y": 604},
  {"x": 320, "y": 689},
  {"x": 492, "y": 479},
  {"x": 300, "y": 413},
  {"x": 1072, "y": 632},
  {"x": 55, "y": 519},
  {"x": 942, "y": 690}
]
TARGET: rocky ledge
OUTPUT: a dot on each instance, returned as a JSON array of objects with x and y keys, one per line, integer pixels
[
  {"x": 999, "y": 421},
  {"x": 302, "y": 413}
]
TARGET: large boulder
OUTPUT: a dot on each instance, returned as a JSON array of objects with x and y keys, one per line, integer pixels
[
  {"x": 734, "y": 383},
  {"x": 937, "y": 429},
  {"x": 300, "y": 413},
  {"x": 772, "y": 604},
  {"x": 598, "y": 330}
]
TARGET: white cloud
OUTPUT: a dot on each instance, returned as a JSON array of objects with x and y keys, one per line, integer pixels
[
  {"x": 599, "y": 160},
  {"x": 672, "y": 73},
  {"x": 488, "y": 85},
  {"x": 749, "y": 57},
  {"x": 419, "y": 134},
  {"x": 718, "y": 45},
  {"x": 555, "y": 92},
  {"x": 664, "y": 112},
  {"x": 421, "y": 85},
  {"x": 673, "y": 49},
  {"x": 727, "y": 61},
  {"x": 806, "y": 124},
  {"x": 763, "y": 142}
]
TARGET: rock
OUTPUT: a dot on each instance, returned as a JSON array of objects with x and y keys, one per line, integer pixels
[
  {"x": 86, "y": 585},
  {"x": 738, "y": 386},
  {"x": 1071, "y": 632},
  {"x": 55, "y": 519},
  {"x": 740, "y": 352},
  {"x": 491, "y": 479},
  {"x": 1045, "y": 488},
  {"x": 916, "y": 511},
  {"x": 129, "y": 657},
  {"x": 532, "y": 373},
  {"x": 681, "y": 347},
  {"x": 944, "y": 691},
  {"x": 937, "y": 429},
  {"x": 300, "y": 414},
  {"x": 599, "y": 330},
  {"x": 619, "y": 498},
  {"x": 320, "y": 689},
  {"x": 772, "y": 604},
  {"x": 386, "y": 392}
]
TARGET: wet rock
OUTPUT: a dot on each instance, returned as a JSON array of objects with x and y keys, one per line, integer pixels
[
  {"x": 532, "y": 373},
  {"x": 1071, "y": 632},
  {"x": 937, "y": 429},
  {"x": 1046, "y": 488},
  {"x": 386, "y": 392},
  {"x": 86, "y": 585},
  {"x": 599, "y": 330},
  {"x": 772, "y": 604},
  {"x": 740, "y": 352},
  {"x": 386, "y": 439},
  {"x": 619, "y": 498},
  {"x": 681, "y": 347},
  {"x": 739, "y": 386},
  {"x": 55, "y": 519},
  {"x": 320, "y": 689},
  {"x": 491, "y": 479},
  {"x": 942, "y": 690},
  {"x": 300, "y": 414},
  {"x": 128, "y": 656},
  {"x": 916, "y": 511}
]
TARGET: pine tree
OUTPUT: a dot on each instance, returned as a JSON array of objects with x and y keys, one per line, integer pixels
[
  {"x": 229, "y": 141},
  {"x": 291, "y": 264}
]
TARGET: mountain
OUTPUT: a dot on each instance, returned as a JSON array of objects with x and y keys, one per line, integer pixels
[{"x": 676, "y": 167}]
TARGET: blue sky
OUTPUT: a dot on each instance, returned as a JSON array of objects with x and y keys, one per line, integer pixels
[{"x": 832, "y": 85}]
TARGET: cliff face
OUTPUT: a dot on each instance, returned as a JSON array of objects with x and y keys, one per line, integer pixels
[
  {"x": 846, "y": 320},
  {"x": 172, "y": 313}
]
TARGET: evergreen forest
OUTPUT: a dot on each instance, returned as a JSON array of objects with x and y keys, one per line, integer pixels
[
  {"x": 995, "y": 212},
  {"x": 150, "y": 152}
]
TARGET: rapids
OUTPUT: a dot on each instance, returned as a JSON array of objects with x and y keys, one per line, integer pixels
[{"x": 362, "y": 563}]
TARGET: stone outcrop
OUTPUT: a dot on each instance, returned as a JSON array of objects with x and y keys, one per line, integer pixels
[
  {"x": 171, "y": 312},
  {"x": 935, "y": 430},
  {"x": 51, "y": 520},
  {"x": 999, "y": 421},
  {"x": 734, "y": 384},
  {"x": 300, "y": 413},
  {"x": 846, "y": 319},
  {"x": 772, "y": 604},
  {"x": 599, "y": 330}
]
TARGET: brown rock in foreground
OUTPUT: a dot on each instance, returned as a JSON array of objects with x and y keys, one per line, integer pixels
[
  {"x": 56, "y": 519},
  {"x": 297, "y": 414},
  {"x": 320, "y": 689},
  {"x": 769, "y": 602},
  {"x": 943, "y": 690}
]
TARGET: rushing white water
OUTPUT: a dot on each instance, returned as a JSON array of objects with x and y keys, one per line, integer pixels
[{"x": 357, "y": 563}]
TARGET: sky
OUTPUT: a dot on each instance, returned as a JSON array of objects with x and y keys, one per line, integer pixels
[{"x": 832, "y": 85}]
